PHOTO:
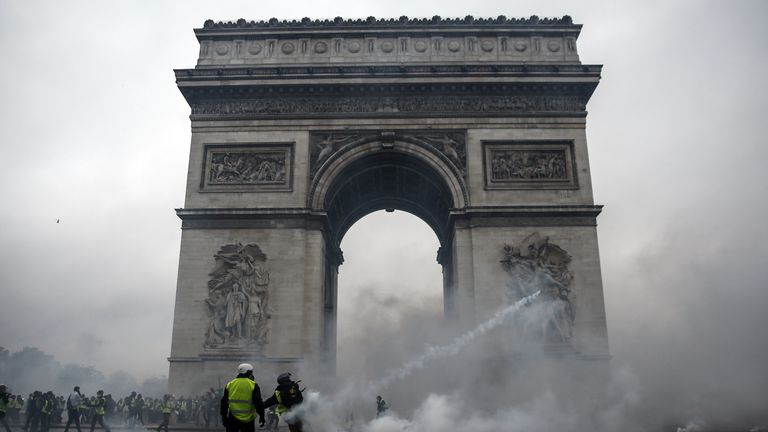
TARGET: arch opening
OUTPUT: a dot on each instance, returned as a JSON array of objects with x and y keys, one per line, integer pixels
[
  {"x": 388, "y": 181},
  {"x": 378, "y": 308},
  {"x": 384, "y": 179}
]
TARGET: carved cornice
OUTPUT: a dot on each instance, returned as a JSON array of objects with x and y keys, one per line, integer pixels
[
  {"x": 383, "y": 71},
  {"x": 547, "y": 215},
  {"x": 403, "y": 21},
  {"x": 237, "y": 218}
]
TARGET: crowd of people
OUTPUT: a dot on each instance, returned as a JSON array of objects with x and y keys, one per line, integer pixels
[
  {"x": 235, "y": 407},
  {"x": 38, "y": 411}
]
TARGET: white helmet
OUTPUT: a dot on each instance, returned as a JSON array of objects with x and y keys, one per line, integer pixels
[{"x": 245, "y": 367}]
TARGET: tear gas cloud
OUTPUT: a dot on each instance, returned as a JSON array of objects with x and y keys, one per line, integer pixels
[{"x": 677, "y": 362}]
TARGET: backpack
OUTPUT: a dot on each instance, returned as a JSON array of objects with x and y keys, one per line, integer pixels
[{"x": 290, "y": 394}]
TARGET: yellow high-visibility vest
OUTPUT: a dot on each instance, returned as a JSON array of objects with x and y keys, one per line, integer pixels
[
  {"x": 99, "y": 408},
  {"x": 240, "y": 395}
]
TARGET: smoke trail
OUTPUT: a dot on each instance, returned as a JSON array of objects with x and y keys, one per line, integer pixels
[
  {"x": 327, "y": 410},
  {"x": 434, "y": 352}
]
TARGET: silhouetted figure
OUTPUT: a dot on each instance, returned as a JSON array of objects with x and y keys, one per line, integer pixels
[
  {"x": 99, "y": 406},
  {"x": 73, "y": 409}
]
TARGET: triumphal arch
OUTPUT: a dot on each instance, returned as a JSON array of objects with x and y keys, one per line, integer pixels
[{"x": 300, "y": 128}]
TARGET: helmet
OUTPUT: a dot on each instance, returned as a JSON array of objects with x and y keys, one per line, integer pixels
[
  {"x": 245, "y": 367},
  {"x": 284, "y": 378},
  {"x": 100, "y": 392},
  {"x": 77, "y": 388}
]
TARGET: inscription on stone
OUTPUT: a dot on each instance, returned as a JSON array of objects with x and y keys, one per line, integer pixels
[
  {"x": 536, "y": 264},
  {"x": 529, "y": 165},
  {"x": 238, "y": 298},
  {"x": 253, "y": 167}
]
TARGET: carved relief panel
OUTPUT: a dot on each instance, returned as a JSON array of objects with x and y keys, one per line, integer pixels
[
  {"x": 247, "y": 167},
  {"x": 536, "y": 264},
  {"x": 529, "y": 165},
  {"x": 238, "y": 299}
]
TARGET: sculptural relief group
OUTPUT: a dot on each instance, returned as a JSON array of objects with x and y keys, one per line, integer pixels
[{"x": 238, "y": 297}]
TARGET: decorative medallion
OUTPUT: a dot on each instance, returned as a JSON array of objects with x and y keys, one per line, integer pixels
[
  {"x": 321, "y": 47},
  {"x": 520, "y": 46},
  {"x": 288, "y": 48},
  {"x": 221, "y": 48},
  {"x": 354, "y": 47},
  {"x": 454, "y": 46},
  {"x": 387, "y": 46},
  {"x": 420, "y": 46},
  {"x": 255, "y": 48},
  {"x": 487, "y": 46},
  {"x": 553, "y": 46},
  {"x": 533, "y": 265}
]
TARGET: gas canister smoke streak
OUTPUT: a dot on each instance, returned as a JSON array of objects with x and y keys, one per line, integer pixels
[{"x": 434, "y": 352}]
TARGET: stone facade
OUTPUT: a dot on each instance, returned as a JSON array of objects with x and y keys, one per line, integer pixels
[{"x": 476, "y": 126}]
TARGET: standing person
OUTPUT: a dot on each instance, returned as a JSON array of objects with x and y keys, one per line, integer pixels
[
  {"x": 5, "y": 401},
  {"x": 381, "y": 406},
  {"x": 30, "y": 410},
  {"x": 73, "y": 413},
  {"x": 286, "y": 396},
  {"x": 16, "y": 404},
  {"x": 99, "y": 406},
  {"x": 139, "y": 407},
  {"x": 46, "y": 411},
  {"x": 34, "y": 406},
  {"x": 241, "y": 402},
  {"x": 167, "y": 409}
]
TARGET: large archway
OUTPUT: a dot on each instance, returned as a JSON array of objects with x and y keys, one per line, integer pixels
[{"x": 399, "y": 175}]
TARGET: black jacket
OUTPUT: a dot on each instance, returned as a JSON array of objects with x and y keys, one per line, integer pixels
[{"x": 283, "y": 388}]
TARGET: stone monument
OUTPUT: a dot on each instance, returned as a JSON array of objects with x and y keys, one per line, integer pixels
[{"x": 300, "y": 128}]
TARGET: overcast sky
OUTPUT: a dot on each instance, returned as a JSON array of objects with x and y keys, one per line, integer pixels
[{"x": 95, "y": 134}]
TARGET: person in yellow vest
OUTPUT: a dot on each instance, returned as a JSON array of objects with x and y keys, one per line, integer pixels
[
  {"x": 99, "y": 406},
  {"x": 167, "y": 408},
  {"x": 4, "y": 403},
  {"x": 287, "y": 396},
  {"x": 46, "y": 410},
  {"x": 241, "y": 402}
]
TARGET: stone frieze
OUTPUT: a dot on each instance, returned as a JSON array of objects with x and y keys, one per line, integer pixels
[
  {"x": 249, "y": 167},
  {"x": 312, "y": 106},
  {"x": 529, "y": 165}
]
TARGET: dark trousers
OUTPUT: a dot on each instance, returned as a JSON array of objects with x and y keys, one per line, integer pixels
[
  {"x": 235, "y": 425},
  {"x": 4, "y": 422},
  {"x": 73, "y": 415},
  {"x": 30, "y": 415},
  {"x": 166, "y": 420},
  {"x": 45, "y": 422},
  {"x": 35, "y": 423},
  {"x": 100, "y": 419}
]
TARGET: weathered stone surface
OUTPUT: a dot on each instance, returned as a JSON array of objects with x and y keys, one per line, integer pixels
[{"x": 301, "y": 128}]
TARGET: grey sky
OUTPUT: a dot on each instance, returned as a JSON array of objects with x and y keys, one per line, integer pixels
[{"x": 93, "y": 132}]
